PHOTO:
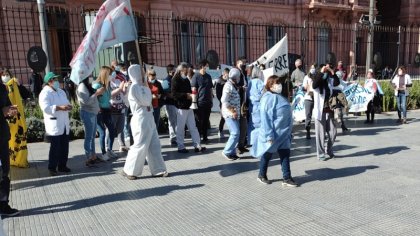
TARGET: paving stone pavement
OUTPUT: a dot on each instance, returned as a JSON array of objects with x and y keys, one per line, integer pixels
[{"x": 371, "y": 188}]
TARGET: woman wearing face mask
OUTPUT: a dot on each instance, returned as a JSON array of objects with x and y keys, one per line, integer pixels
[
  {"x": 157, "y": 91},
  {"x": 146, "y": 140},
  {"x": 55, "y": 107},
  {"x": 89, "y": 109},
  {"x": 17, "y": 124},
  {"x": 374, "y": 87},
  {"x": 104, "y": 117},
  {"x": 231, "y": 111},
  {"x": 275, "y": 131},
  {"x": 401, "y": 83},
  {"x": 219, "y": 91},
  {"x": 309, "y": 99}
]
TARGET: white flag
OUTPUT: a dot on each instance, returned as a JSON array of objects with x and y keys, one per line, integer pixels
[
  {"x": 276, "y": 58},
  {"x": 113, "y": 24}
]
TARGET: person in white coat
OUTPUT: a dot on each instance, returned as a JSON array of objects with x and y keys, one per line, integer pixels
[
  {"x": 146, "y": 140},
  {"x": 55, "y": 107}
]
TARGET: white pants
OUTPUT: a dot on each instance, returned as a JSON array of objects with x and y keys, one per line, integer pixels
[
  {"x": 146, "y": 146},
  {"x": 186, "y": 117},
  {"x": 171, "y": 112}
]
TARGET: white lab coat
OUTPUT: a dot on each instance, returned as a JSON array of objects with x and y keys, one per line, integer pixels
[
  {"x": 55, "y": 121},
  {"x": 146, "y": 140}
]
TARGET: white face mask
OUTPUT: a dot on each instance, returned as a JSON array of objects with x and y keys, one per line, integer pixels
[
  {"x": 5, "y": 78},
  {"x": 312, "y": 71},
  {"x": 277, "y": 88},
  {"x": 124, "y": 72},
  {"x": 400, "y": 72}
]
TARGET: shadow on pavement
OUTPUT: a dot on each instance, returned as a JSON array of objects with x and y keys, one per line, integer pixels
[
  {"x": 376, "y": 152},
  {"x": 328, "y": 173},
  {"x": 115, "y": 197}
]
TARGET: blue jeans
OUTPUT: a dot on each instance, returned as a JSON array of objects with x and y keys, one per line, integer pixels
[
  {"x": 156, "y": 116},
  {"x": 105, "y": 122},
  {"x": 90, "y": 122},
  {"x": 284, "y": 161},
  {"x": 402, "y": 104},
  {"x": 233, "y": 125}
]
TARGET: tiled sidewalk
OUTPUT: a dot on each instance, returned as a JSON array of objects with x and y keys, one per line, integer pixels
[{"x": 371, "y": 188}]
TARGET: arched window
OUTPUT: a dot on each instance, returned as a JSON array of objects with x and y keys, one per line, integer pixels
[{"x": 323, "y": 41}]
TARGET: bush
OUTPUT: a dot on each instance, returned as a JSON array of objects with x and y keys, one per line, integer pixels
[
  {"x": 36, "y": 129},
  {"x": 389, "y": 102},
  {"x": 76, "y": 129}
]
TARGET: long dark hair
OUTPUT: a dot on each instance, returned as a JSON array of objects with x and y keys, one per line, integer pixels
[{"x": 88, "y": 86}]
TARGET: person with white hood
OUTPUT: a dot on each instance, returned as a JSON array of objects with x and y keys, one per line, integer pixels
[{"x": 146, "y": 140}]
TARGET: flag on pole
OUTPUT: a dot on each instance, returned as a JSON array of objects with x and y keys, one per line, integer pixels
[
  {"x": 113, "y": 24},
  {"x": 276, "y": 58}
]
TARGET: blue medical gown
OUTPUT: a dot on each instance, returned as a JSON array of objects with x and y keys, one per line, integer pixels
[{"x": 276, "y": 124}]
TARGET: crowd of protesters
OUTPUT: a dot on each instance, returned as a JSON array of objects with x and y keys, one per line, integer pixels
[{"x": 125, "y": 102}]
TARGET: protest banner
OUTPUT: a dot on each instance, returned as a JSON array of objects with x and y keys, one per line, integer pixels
[
  {"x": 113, "y": 24},
  {"x": 357, "y": 97},
  {"x": 276, "y": 58},
  {"x": 298, "y": 106}
]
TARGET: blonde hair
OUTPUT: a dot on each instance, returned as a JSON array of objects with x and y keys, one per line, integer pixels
[{"x": 103, "y": 77}]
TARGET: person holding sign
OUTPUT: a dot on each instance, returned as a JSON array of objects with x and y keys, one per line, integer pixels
[
  {"x": 401, "y": 82},
  {"x": 324, "y": 81}
]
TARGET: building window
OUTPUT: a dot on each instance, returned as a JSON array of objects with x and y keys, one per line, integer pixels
[
  {"x": 236, "y": 44},
  {"x": 59, "y": 36},
  {"x": 191, "y": 43},
  {"x": 323, "y": 41},
  {"x": 274, "y": 35}
]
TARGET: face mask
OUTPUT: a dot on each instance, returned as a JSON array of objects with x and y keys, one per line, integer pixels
[
  {"x": 124, "y": 72},
  {"x": 184, "y": 76},
  {"x": 400, "y": 72},
  {"x": 312, "y": 71},
  {"x": 56, "y": 85},
  {"x": 113, "y": 75},
  {"x": 153, "y": 81},
  {"x": 117, "y": 68},
  {"x": 277, "y": 88},
  {"x": 5, "y": 78},
  {"x": 90, "y": 80}
]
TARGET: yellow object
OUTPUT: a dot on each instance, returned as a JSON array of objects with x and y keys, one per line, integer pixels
[{"x": 18, "y": 149}]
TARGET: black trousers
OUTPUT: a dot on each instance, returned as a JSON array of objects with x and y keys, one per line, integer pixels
[
  {"x": 203, "y": 120},
  {"x": 5, "y": 167},
  {"x": 59, "y": 151}
]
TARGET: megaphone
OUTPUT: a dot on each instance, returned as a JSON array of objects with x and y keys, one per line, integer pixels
[{"x": 194, "y": 99}]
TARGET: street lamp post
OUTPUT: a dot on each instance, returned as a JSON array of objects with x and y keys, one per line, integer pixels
[
  {"x": 42, "y": 28},
  {"x": 369, "y": 50}
]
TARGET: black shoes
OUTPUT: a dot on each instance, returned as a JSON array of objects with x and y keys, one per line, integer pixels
[
  {"x": 64, "y": 169},
  {"x": 230, "y": 157},
  {"x": 53, "y": 172},
  {"x": 289, "y": 183},
  {"x": 200, "y": 149},
  {"x": 242, "y": 150},
  {"x": 264, "y": 180},
  {"x": 7, "y": 211}
]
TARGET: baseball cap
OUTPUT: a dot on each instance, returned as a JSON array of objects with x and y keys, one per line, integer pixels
[{"x": 49, "y": 76}]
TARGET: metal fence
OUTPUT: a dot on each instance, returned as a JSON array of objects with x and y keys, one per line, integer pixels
[{"x": 167, "y": 39}]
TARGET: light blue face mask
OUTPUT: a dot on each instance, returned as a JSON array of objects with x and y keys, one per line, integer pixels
[{"x": 56, "y": 85}]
